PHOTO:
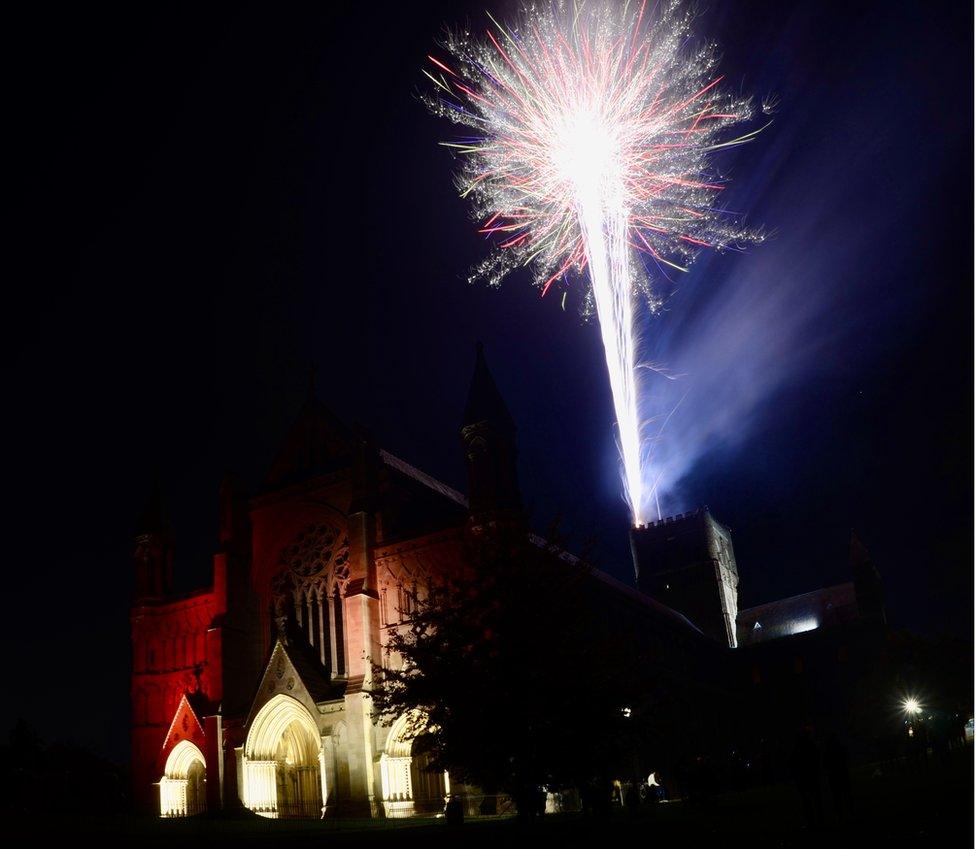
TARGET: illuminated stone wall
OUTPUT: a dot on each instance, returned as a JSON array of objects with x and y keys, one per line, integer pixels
[
  {"x": 265, "y": 672},
  {"x": 175, "y": 652}
]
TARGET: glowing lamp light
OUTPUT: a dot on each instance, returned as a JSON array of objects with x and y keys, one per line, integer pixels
[{"x": 911, "y": 706}]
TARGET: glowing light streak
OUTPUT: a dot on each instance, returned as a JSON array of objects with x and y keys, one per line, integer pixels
[{"x": 593, "y": 127}]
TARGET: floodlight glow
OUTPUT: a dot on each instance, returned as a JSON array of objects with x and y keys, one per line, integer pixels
[{"x": 801, "y": 626}]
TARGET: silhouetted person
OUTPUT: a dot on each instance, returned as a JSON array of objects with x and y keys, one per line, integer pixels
[
  {"x": 597, "y": 798},
  {"x": 454, "y": 812},
  {"x": 837, "y": 767},
  {"x": 530, "y": 802},
  {"x": 806, "y": 773},
  {"x": 695, "y": 775},
  {"x": 489, "y": 804},
  {"x": 916, "y": 748},
  {"x": 631, "y": 798}
]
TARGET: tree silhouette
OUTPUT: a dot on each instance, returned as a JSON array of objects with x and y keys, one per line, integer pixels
[{"x": 513, "y": 671}]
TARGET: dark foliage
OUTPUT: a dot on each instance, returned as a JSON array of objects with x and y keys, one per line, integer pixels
[
  {"x": 516, "y": 678},
  {"x": 57, "y": 779}
]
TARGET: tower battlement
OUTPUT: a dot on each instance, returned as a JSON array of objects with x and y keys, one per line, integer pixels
[
  {"x": 686, "y": 561},
  {"x": 669, "y": 520}
]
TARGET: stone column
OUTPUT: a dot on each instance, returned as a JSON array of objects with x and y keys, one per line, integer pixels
[
  {"x": 321, "y": 625},
  {"x": 261, "y": 787},
  {"x": 362, "y": 642},
  {"x": 322, "y": 776},
  {"x": 214, "y": 761},
  {"x": 361, "y": 630},
  {"x": 311, "y": 619},
  {"x": 330, "y": 781},
  {"x": 336, "y": 644}
]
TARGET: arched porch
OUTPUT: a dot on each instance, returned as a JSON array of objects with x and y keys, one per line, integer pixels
[
  {"x": 409, "y": 787},
  {"x": 183, "y": 787},
  {"x": 282, "y": 763}
]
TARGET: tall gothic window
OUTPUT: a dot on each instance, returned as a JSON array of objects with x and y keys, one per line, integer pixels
[{"x": 313, "y": 576}]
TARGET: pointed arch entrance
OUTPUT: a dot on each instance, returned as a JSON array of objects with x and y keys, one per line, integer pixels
[
  {"x": 409, "y": 786},
  {"x": 183, "y": 787},
  {"x": 283, "y": 774}
]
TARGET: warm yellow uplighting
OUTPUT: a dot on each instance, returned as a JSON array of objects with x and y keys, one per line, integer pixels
[
  {"x": 182, "y": 789},
  {"x": 282, "y": 761}
]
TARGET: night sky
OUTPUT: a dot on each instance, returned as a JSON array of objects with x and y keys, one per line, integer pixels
[{"x": 207, "y": 201}]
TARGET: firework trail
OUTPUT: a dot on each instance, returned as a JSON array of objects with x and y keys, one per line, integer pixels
[{"x": 593, "y": 129}]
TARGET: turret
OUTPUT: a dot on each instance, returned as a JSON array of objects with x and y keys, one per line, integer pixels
[
  {"x": 234, "y": 533},
  {"x": 489, "y": 436},
  {"x": 154, "y": 549}
]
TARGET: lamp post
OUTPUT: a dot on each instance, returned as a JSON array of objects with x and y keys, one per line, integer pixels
[{"x": 912, "y": 709}]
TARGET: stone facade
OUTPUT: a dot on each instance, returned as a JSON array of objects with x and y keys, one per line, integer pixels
[
  {"x": 252, "y": 691},
  {"x": 311, "y": 576}
]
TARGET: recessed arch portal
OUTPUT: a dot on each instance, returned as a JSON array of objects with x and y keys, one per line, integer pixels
[
  {"x": 283, "y": 774},
  {"x": 183, "y": 787},
  {"x": 409, "y": 787}
]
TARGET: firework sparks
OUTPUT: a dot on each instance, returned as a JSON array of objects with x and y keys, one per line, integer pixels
[{"x": 593, "y": 130}]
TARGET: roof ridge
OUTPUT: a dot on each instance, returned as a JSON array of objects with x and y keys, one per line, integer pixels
[
  {"x": 422, "y": 477},
  {"x": 782, "y": 601},
  {"x": 616, "y": 583}
]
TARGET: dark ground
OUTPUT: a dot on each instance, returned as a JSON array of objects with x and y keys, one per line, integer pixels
[{"x": 893, "y": 806}]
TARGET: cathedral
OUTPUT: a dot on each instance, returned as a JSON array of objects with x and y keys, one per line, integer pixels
[{"x": 253, "y": 691}]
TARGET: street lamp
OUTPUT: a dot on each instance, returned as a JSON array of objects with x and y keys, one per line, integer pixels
[{"x": 912, "y": 709}]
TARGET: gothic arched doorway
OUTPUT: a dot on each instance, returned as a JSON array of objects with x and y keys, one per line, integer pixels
[
  {"x": 282, "y": 761},
  {"x": 183, "y": 787},
  {"x": 409, "y": 786}
]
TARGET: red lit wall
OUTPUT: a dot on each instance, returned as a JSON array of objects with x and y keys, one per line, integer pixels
[{"x": 176, "y": 650}]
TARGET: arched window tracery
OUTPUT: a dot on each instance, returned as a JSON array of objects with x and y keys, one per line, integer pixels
[{"x": 313, "y": 577}]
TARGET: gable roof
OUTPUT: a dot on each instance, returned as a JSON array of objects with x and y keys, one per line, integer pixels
[
  {"x": 291, "y": 670},
  {"x": 660, "y": 610},
  {"x": 186, "y": 725},
  {"x": 317, "y": 440},
  {"x": 437, "y": 486}
]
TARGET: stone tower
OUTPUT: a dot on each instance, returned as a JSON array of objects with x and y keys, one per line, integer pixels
[
  {"x": 687, "y": 562},
  {"x": 489, "y": 436}
]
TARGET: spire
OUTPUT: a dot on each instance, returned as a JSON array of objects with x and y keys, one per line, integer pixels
[
  {"x": 234, "y": 526},
  {"x": 485, "y": 402},
  {"x": 488, "y": 433}
]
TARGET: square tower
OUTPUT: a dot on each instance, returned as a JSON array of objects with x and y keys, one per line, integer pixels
[{"x": 687, "y": 563}]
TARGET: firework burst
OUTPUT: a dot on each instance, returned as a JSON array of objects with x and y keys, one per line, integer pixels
[{"x": 594, "y": 127}]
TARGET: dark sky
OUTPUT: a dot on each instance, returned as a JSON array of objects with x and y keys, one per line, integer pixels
[{"x": 206, "y": 201}]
